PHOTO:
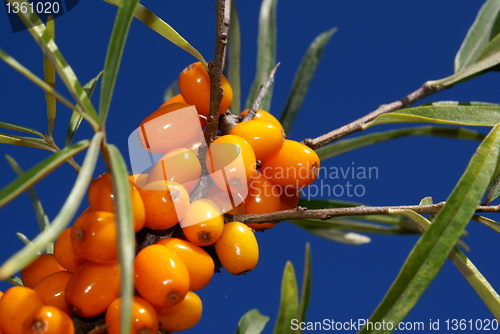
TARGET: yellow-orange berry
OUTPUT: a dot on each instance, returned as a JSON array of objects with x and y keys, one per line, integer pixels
[
  {"x": 48, "y": 320},
  {"x": 179, "y": 99},
  {"x": 295, "y": 165},
  {"x": 52, "y": 289},
  {"x": 143, "y": 317},
  {"x": 16, "y": 304},
  {"x": 166, "y": 203},
  {"x": 199, "y": 263},
  {"x": 266, "y": 138},
  {"x": 194, "y": 85},
  {"x": 262, "y": 115},
  {"x": 161, "y": 277},
  {"x": 237, "y": 248},
  {"x": 92, "y": 288},
  {"x": 289, "y": 197},
  {"x": 182, "y": 316},
  {"x": 65, "y": 253},
  {"x": 202, "y": 225},
  {"x": 234, "y": 205},
  {"x": 139, "y": 180},
  {"x": 41, "y": 267},
  {"x": 263, "y": 197}
]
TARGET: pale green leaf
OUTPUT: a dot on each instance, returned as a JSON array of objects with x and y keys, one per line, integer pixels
[
  {"x": 322, "y": 227},
  {"x": 21, "y": 129},
  {"x": 494, "y": 225},
  {"x": 252, "y": 322},
  {"x": 234, "y": 72},
  {"x": 171, "y": 91},
  {"x": 25, "y": 141},
  {"x": 289, "y": 302},
  {"x": 492, "y": 47},
  {"x": 305, "y": 295},
  {"x": 50, "y": 79}
]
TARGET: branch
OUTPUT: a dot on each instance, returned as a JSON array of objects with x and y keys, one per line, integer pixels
[
  {"x": 323, "y": 214},
  {"x": 260, "y": 96},
  {"x": 358, "y": 124}
]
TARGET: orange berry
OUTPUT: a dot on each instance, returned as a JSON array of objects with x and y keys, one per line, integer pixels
[
  {"x": 94, "y": 236},
  {"x": 262, "y": 115},
  {"x": 234, "y": 205},
  {"x": 41, "y": 267},
  {"x": 194, "y": 84},
  {"x": 143, "y": 317},
  {"x": 52, "y": 288},
  {"x": 169, "y": 127},
  {"x": 295, "y": 165},
  {"x": 138, "y": 180},
  {"x": 16, "y": 304},
  {"x": 182, "y": 316},
  {"x": 166, "y": 203},
  {"x": 101, "y": 198},
  {"x": 161, "y": 277},
  {"x": 266, "y": 138},
  {"x": 179, "y": 165},
  {"x": 65, "y": 253},
  {"x": 289, "y": 197},
  {"x": 199, "y": 263},
  {"x": 179, "y": 99},
  {"x": 48, "y": 320},
  {"x": 233, "y": 156},
  {"x": 202, "y": 225},
  {"x": 92, "y": 288},
  {"x": 263, "y": 197},
  {"x": 237, "y": 248}
]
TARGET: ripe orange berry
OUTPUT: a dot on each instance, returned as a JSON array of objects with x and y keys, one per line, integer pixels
[
  {"x": 179, "y": 99},
  {"x": 166, "y": 203},
  {"x": 101, "y": 198},
  {"x": 202, "y": 225},
  {"x": 263, "y": 197},
  {"x": 194, "y": 84},
  {"x": 237, "y": 248},
  {"x": 266, "y": 138},
  {"x": 41, "y": 267},
  {"x": 48, "y": 320},
  {"x": 199, "y": 263},
  {"x": 65, "y": 253},
  {"x": 94, "y": 236},
  {"x": 138, "y": 180},
  {"x": 289, "y": 197},
  {"x": 169, "y": 127},
  {"x": 295, "y": 165},
  {"x": 52, "y": 288},
  {"x": 182, "y": 316},
  {"x": 16, "y": 304},
  {"x": 92, "y": 288},
  {"x": 161, "y": 277},
  {"x": 143, "y": 317},
  {"x": 235, "y": 157},
  {"x": 262, "y": 115},
  {"x": 179, "y": 165},
  {"x": 234, "y": 205}
]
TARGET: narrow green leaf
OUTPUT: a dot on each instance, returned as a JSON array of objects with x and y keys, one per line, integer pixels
[
  {"x": 289, "y": 303},
  {"x": 23, "y": 238},
  {"x": 431, "y": 250},
  {"x": 461, "y": 113},
  {"x": 126, "y": 241},
  {"x": 494, "y": 225},
  {"x": 343, "y": 146},
  {"x": 14, "y": 280},
  {"x": 303, "y": 78},
  {"x": 492, "y": 47},
  {"x": 480, "y": 33},
  {"x": 25, "y": 141},
  {"x": 305, "y": 295},
  {"x": 335, "y": 233},
  {"x": 493, "y": 189},
  {"x": 234, "y": 73},
  {"x": 161, "y": 27},
  {"x": 50, "y": 79},
  {"x": 319, "y": 227},
  {"x": 266, "y": 52},
  {"x": 252, "y": 322},
  {"x": 67, "y": 212},
  {"x": 21, "y": 128},
  {"x": 39, "y": 171},
  {"x": 171, "y": 91}
]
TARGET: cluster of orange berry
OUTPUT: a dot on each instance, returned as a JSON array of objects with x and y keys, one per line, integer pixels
[{"x": 250, "y": 170}]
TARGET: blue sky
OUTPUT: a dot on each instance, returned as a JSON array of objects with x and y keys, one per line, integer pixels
[{"x": 382, "y": 51}]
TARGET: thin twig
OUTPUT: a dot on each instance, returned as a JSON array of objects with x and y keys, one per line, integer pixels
[
  {"x": 260, "y": 96},
  {"x": 323, "y": 214},
  {"x": 358, "y": 124},
  {"x": 50, "y": 141}
]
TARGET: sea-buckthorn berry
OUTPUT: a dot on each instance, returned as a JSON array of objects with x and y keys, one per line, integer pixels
[
  {"x": 295, "y": 165},
  {"x": 48, "y": 320},
  {"x": 262, "y": 115},
  {"x": 143, "y": 317},
  {"x": 92, "y": 288},
  {"x": 182, "y": 316},
  {"x": 179, "y": 99},
  {"x": 233, "y": 206},
  {"x": 52, "y": 288},
  {"x": 233, "y": 156},
  {"x": 139, "y": 180},
  {"x": 166, "y": 203},
  {"x": 202, "y": 225},
  {"x": 266, "y": 138},
  {"x": 194, "y": 85},
  {"x": 65, "y": 253},
  {"x": 199, "y": 263},
  {"x": 161, "y": 277},
  {"x": 16, "y": 304},
  {"x": 237, "y": 248},
  {"x": 41, "y": 267},
  {"x": 289, "y": 197},
  {"x": 169, "y": 127},
  {"x": 101, "y": 198},
  {"x": 94, "y": 236},
  {"x": 179, "y": 165},
  {"x": 263, "y": 197}
]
